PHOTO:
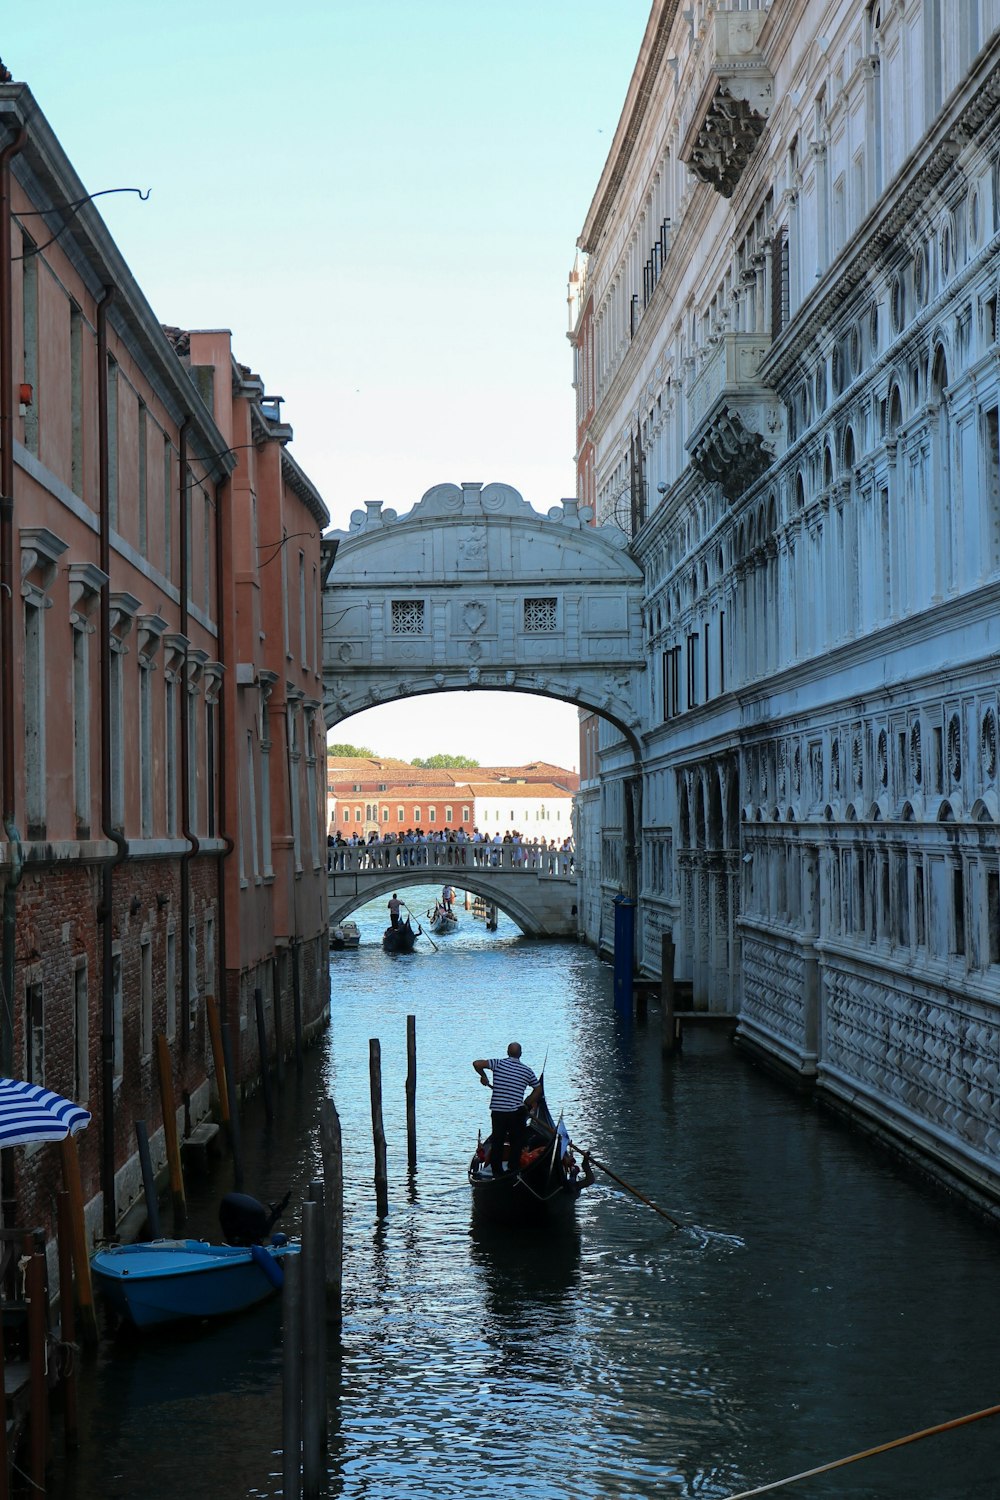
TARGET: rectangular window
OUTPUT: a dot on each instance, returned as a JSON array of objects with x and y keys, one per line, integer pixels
[
  {"x": 705, "y": 654},
  {"x": 432, "y": 815},
  {"x": 347, "y": 814},
  {"x": 399, "y": 815},
  {"x": 195, "y": 990},
  {"x": 168, "y": 498},
  {"x": 207, "y": 522},
  {"x": 143, "y": 496},
  {"x": 118, "y": 1018},
  {"x": 170, "y": 757},
  {"x": 407, "y": 617},
  {"x": 416, "y": 815},
  {"x": 302, "y": 609},
  {"x": 194, "y": 779},
  {"x": 210, "y": 778},
  {"x": 117, "y": 741},
  {"x": 34, "y": 1034},
  {"x": 34, "y": 720},
  {"x": 385, "y": 815},
  {"x": 993, "y": 915},
  {"x": 251, "y": 782},
  {"x": 146, "y": 998},
  {"x": 692, "y": 670},
  {"x": 466, "y": 815},
  {"x": 113, "y": 443},
  {"x": 722, "y": 652},
  {"x": 919, "y": 906},
  {"x": 448, "y": 815},
  {"x": 81, "y": 732},
  {"x": 81, "y": 1034},
  {"x": 146, "y": 751},
  {"x": 170, "y": 984},
  {"x": 76, "y": 398},
  {"x": 540, "y": 616},
  {"x": 29, "y": 304},
  {"x": 210, "y": 955},
  {"x": 991, "y": 421},
  {"x": 958, "y": 904}
]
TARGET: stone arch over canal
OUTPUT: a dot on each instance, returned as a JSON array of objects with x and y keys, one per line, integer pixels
[
  {"x": 542, "y": 906},
  {"x": 473, "y": 589}
]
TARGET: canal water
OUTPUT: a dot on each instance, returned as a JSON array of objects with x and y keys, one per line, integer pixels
[{"x": 820, "y": 1301}]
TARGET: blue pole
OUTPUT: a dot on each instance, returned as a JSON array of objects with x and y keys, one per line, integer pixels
[{"x": 624, "y": 953}]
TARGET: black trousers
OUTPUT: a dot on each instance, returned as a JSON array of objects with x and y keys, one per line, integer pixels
[{"x": 510, "y": 1127}]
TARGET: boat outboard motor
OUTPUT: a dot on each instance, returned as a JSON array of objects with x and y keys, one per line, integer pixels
[{"x": 245, "y": 1221}]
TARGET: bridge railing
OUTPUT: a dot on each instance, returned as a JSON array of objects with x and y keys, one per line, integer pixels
[{"x": 511, "y": 859}]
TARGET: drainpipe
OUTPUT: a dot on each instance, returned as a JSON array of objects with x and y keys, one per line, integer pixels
[
  {"x": 193, "y": 842},
  {"x": 7, "y": 686},
  {"x": 222, "y": 743},
  {"x": 105, "y": 911}
]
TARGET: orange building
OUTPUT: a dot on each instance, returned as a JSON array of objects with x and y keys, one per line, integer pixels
[{"x": 147, "y": 741}]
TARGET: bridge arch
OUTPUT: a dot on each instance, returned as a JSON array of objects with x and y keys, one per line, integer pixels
[
  {"x": 473, "y": 589},
  {"x": 516, "y": 895}
]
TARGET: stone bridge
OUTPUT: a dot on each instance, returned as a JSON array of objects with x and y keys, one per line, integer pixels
[
  {"x": 473, "y": 588},
  {"x": 538, "y": 892}
]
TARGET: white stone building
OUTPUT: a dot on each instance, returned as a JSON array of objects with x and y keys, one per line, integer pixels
[{"x": 785, "y": 330}]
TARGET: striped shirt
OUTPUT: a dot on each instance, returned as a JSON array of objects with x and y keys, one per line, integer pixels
[{"x": 510, "y": 1079}]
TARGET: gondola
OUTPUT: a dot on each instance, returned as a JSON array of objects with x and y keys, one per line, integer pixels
[
  {"x": 400, "y": 939},
  {"x": 543, "y": 1190},
  {"x": 442, "y": 920}
]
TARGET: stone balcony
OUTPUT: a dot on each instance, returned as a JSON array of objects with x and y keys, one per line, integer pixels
[
  {"x": 735, "y": 421},
  {"x": 734, "y": 102}
]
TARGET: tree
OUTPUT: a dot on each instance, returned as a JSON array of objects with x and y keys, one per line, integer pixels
[
  {"x": 349, "y": 752},
  {"x": 445, "y": 763}
]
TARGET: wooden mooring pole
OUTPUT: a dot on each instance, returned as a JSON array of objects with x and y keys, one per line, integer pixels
[
  {"x": 313, "y": 1350},
  {"x": 78, "y": 1230},
  {"x": 148, "y": 1180},
  {"x": 38, "y": 1331},
  {"x": 291, "y": 1378},
  {"x": 235, "y": 1136},
  {"x": 670, "y": 1039},
  {"x": 331, "y": 1147},
  {"x": 219, "y": 1059},
  {"x": 378, "y": 1132},
  {"x": 411, "y": 1092},
  {"x": 67, "y": 1319}
]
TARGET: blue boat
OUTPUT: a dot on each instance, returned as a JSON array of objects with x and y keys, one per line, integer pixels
[{"x": 165, "y": 1281}]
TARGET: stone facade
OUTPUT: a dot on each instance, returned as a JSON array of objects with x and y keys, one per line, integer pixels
[{"x": 790, "y": 297}]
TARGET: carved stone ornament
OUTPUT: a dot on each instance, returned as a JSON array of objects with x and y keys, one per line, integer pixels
[{"x": 474, "y": 617}]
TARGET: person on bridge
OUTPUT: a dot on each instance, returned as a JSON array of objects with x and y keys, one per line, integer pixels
[
  {"x": 508, "y": 1107},
  {"x": 393, "y": 906}
]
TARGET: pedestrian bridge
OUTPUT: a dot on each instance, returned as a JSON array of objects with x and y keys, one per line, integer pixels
[{"x": 536, "y": 889}]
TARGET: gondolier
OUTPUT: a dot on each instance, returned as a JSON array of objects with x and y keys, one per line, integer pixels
[{"x": 508, "y": 1105}]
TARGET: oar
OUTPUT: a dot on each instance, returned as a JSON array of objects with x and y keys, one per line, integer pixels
[
  {"x": 629, "y": 1188},
  {"x": 420, "y": 930}
]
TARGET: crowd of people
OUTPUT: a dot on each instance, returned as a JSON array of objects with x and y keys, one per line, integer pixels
[{"x": 450, "y": 847}]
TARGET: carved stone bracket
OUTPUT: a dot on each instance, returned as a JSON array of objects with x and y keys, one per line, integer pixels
[
  {"x": 85, "y": 583},
  {"x": 123, "y": 611},
  {"x": 731, "y": 454},
  {"x": 174, "y": 655},
  {"x": 41, "y": 550},
  {"x": 730, "y": 115},
  {"x": 212, "y": 675},
  {"x": 194, "y": 667},
  {"x": 150, "y": 634}
]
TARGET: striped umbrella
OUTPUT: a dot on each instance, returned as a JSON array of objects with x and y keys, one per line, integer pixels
[{"x": 30, "y": 1113}]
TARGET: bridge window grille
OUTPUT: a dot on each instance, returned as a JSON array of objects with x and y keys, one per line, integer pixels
[
  {"x": 407, "y": 617},
  {"x": 540, "y": 616}
]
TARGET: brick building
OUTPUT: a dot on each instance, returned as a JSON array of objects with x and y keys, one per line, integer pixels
[{"x": 122, "y": 703}]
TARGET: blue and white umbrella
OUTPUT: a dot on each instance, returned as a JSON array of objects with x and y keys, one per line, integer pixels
[{"x": 30, "y": 1113}]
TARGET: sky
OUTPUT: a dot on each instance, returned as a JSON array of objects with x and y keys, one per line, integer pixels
[{"x": 381, "y": 199}]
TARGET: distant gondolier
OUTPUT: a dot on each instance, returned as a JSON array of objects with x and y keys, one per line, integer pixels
[
  {"x": 393, "y": 906},
  {"x": 448, "y": 897},
  {"x": 507, "y": 1105}
]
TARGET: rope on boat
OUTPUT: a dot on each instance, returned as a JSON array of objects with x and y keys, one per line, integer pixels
[{"x": 840, "y": 1463}]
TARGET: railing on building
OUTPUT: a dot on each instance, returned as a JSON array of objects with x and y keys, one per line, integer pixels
[{"x": 427, "y": 854}]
